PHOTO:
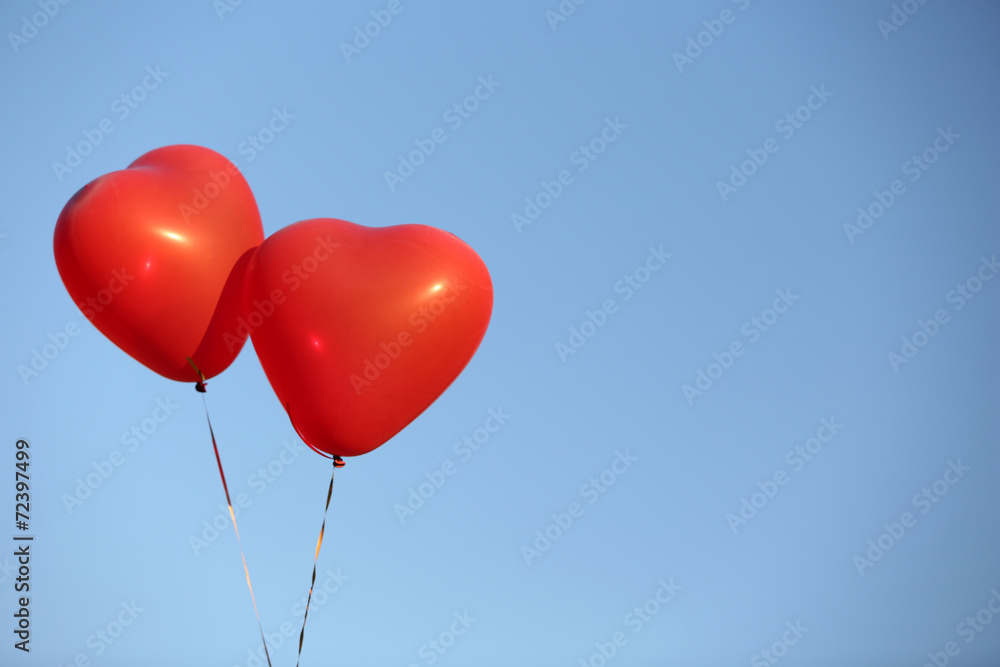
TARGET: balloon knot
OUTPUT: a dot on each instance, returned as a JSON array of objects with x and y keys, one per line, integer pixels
[
  {"x": 338, "y": 462},
  {"x": 200, "y": 385}
]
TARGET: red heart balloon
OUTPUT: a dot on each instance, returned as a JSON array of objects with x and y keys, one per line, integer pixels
[
  {"x": 359, "y": 329},
  {"x": 155, "y": 256}
]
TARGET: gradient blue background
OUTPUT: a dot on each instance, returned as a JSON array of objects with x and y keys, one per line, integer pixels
[{"x": 665, "y": 518}]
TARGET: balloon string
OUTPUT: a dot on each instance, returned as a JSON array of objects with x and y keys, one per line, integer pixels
[
  {"x": 337, "y": 463},
  {"x": 200, "y": 387}
]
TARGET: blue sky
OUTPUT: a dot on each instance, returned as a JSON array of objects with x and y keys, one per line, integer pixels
[{"x": 736, "y": 168}]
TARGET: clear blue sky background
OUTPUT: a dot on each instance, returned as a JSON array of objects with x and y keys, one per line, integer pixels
[{"x": 665, "y": 517}]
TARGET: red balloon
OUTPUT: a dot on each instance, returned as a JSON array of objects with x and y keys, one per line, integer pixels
[
  {"x": 360, "y": 329},
  {"x": 155, "y": 256}
]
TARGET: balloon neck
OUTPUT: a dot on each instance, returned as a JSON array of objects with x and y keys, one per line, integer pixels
[
  {"x": 200, "y": 384},
  {"x": 338, "y": 462}
]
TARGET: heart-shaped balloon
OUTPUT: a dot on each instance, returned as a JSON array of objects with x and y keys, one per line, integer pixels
[
  {"x": 155, "y": 256},
  {"x": 360, "y": 329}
]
